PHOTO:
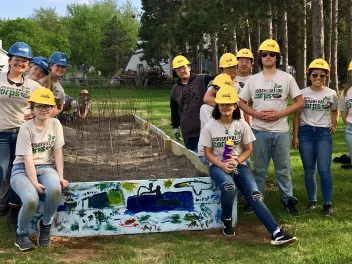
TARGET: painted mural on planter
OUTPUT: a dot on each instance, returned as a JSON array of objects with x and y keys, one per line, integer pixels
[{"x": 130, "y": 207}]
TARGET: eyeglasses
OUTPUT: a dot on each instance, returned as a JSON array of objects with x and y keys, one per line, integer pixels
[
  {"x": 272, "y": 54},
  {"x": 244, "y": 61},
  {"x": 217, "y": 88},
  {"x": 44, "y": 107},
  {"x": 315, "y": 75},
  {"x": 182, "y": 68}
]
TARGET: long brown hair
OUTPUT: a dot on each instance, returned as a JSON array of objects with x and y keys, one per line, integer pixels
[{"x": 47, "y": 81}]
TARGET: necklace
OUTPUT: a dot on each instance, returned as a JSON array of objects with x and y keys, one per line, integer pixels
[{"x": 226, "y": 128}]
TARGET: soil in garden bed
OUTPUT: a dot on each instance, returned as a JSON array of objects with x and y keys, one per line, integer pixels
[{"x": 116, "y": 149}]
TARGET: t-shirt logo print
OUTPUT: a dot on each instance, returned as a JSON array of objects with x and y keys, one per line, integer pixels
[
  {"x": 269, "y": 94},
  {"x": 43, "y": 146}
]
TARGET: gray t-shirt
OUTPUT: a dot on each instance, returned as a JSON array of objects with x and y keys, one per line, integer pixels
[
  {"x": 345, "y": 104},
  {"x": 213, "y": 135},
  {"x": 241, "y": 81},
  {"x": 268, "y": 95},
  {"x": 39, "y": 143},
  {"x": 14, "y": 102},
  {"x": 58, "y": 91},
  {"x": 317, "y": 106}
]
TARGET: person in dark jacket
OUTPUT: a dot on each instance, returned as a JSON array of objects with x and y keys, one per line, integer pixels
[{"x": 185, "y": 102}]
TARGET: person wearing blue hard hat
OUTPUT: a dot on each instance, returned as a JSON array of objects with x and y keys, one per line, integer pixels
[
  {"x": 14, "y": 110},
  {"x": 39, "y": 68},
  {"x": 58, "y": 63}
]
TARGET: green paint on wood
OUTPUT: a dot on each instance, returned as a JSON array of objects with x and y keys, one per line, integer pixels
[
  {"x": 104, "y": 186},
  {"x": 116, "y": 197},
  {"x": 144, "y": 219},
  {"x": 175, "y": 219},
  {"x": 129, "y": 186},
  {"x": 168, "y": 184},
  {"x": 189, "y": 217},
  {"x": 75, "y": 226},
  {"x": 110, "y": 227}
]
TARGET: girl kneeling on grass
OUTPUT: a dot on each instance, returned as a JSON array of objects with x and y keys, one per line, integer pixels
[
  {"x": 227, "y": 124},
  {"x": 39, "y": 140}
]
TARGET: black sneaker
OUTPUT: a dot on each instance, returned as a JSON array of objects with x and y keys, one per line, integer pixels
[
  {"x": 247, "y": 209},
  {"x": 228, "y": 228},
  {"x": 23, "y": 242},
  {"x": 12, "y": 218},
  {"x": 43, "y": 239},
  {"x": 290, "y": 206},
  {"x": 282, "y": 238},
  {"x": 327, "y": 209},
  {"x": 312, "y": 205}
]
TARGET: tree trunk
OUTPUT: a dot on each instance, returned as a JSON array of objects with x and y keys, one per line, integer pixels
[
  {"x": 284, "y": 41},
  {"x": 349, "y": 31},
  {"x": 249, "y": 30},
  {"x": 274, "y": 22},
  {"x": 302, "y": 50},
  {"x": 268, "y": 25},
  {"x": 328, "y": 32},
  {"x": 318, "y": 29},
  {"x": 234, "y": 45},
  {"x": 256, "y": 43},
  {"x": 333, "y": 67},
  {"x": 214, "y": 54}
]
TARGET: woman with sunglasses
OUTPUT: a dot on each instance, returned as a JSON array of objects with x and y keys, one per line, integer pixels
[
  {"x": 345, "y": 106},
  {"x": 231, "y": 171},
  {"x": 312, "y": 130},
  {"x": 39, "y": 141},
  {"x": 14, "y": 93}
]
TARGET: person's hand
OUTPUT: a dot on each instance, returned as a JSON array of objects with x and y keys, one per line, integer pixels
[
  {"x": 332, "y": 129},
  {"x": 64, "y": 183},
  {"x": 28, "y": 116},
  {"x": 271, "y": 115},
  {"x": 295, "y": 142},
  {"x": 40, "y": 188},
  {"x": 177, "y": 134},
  {"x": 260, "y": 115}
]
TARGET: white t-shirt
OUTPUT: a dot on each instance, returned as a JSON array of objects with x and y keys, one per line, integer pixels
[
  {"x": 345, "y": 104},
  {"x": 317, "y": 106},
  {"x": 213, "y": 135},
  {"x": 241, "y": 81},
  {"x": 39, "y": 143},
  {"x": 268, "y": 95},
  {"x": 14, "y": 102}
]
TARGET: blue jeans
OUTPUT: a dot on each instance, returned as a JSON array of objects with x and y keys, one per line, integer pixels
[
  {"x": 349, "y": 139},
  {"x": 7, "y": 151},
  {"x": 30, "y": 197},
  {"x": 192, "y": 143},
  {"x": 245, "y": 183},
  {"x": 315, "y": 148},
  {"x": 275, "y": 145}
]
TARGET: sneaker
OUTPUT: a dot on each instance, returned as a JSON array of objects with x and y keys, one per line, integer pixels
[
  {"x": 23, "y": 242},
  {"x": 346, "y": 166},
  {"x": 12, "y": 218},
  {"x": 43, "y": 239},
  {"x": 228, "y": 228},
  {"x": 312, "y": 205},
  {"x": 290, "y": 206},
  {"x": 282, "y": 238},
  {"x": 327, "y": 209},
  {"x": 247, "y": 209}
]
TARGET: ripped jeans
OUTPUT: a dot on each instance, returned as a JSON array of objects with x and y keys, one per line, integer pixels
[
  {"x": 30, "y": 197},
  {"x": 244, "y": 181}
]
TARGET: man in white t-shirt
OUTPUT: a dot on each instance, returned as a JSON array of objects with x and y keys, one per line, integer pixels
[{"x": 269, "y": 91}]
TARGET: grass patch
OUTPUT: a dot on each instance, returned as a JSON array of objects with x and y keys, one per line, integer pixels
[{"x": 321, "y": 239}]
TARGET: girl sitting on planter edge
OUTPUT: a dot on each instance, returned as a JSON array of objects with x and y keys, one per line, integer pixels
[
  {"x": 39, "y": 141},
  {"x": 233, "y": 171}
]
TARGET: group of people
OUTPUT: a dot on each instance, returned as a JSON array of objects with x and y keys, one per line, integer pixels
[
  {"x": 30, "y": 95},
  {"x": 249, "y": 114}
]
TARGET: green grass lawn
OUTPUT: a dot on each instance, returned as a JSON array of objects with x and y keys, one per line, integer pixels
[{"x": 320, "y": 239}]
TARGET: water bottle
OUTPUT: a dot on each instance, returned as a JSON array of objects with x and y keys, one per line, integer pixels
[{"x": 227, "y": 150}]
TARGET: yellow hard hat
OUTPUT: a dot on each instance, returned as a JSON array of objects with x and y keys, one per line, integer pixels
[
  {"x": 226, "y": 95},
  {"x": 350, "y": 67},
  {"x": 179, "y": 61},
  {"x": 42, "y": 95},
  {"x": 222, "y": 79},
  {"x": 228, "y": 60},
  {"x": 84, "y": 91},
  {"x": 269, "y": 45},
  {"x": 245, "y": 53},
  {"x": 319, "y": 64}
]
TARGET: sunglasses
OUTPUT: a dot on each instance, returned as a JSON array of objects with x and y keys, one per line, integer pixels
[
  {"x": 315, "y": 75},
  {"x": 44, "y": 107},
  {"x": 272, "y": 54}
]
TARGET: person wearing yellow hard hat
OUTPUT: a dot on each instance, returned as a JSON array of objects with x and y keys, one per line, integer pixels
[
  {"x": 185, "y": 102},
  {"x": 39, "y": 141},
  {"x": 313, "y": 127},
  {"x": 345, "y": 106},
  {"x": 269, "y": 91},
  {"x": 14, "y": 92},
  {"x": 228, "y": 65},
  {"x": 84, "y": 104},
  {"x": 227, "y": 141}
]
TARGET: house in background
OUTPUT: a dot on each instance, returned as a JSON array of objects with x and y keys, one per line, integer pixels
[{"x": 4, "y": 59}]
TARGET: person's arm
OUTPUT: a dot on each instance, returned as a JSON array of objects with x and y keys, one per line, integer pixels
[
  {"x": 57, "y": 110},
  {"x": 175, "y": 118},
  {"x": 32, "y": 173},
  {"x": 209, "y": 97},
  {"x": 246, "y": 108},
  {"x": 59, "y": 162},
  {"x": 296, "y": 121},
  {"x": 334, "y": 119},
  {"x": 344, "y": 116}
]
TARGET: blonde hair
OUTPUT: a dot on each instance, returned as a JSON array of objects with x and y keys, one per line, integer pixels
[{"x": 47, "y": 81}]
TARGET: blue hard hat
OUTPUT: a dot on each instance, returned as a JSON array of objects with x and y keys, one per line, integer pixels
[
  {"x": 21, "y": 49},
  {"x": 59, "y": 58},
  {"x": 41, "y": 62}
]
